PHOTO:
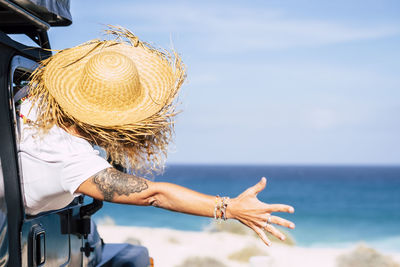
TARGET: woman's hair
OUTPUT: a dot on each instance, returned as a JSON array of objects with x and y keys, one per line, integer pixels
[
  {"x": 138, "y": 153},
  {"x": 140, "y": 148}
]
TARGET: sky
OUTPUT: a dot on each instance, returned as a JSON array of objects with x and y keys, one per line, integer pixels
[{"x": 271, "y": 82}]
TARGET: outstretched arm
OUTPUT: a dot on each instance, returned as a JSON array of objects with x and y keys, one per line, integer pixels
[{"x": 115, "y": 186}]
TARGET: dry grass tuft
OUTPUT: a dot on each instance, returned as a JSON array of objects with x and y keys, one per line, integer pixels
[
  {"x": 236, "y": 227},
  {"x": 289, "y": 241},
  {"x": 201, "y": 262},
  {"x": 231, "y": 226},
  {"x": 106, "y": 220},
  {"x": 363, "y": 256},
  {"x": 246, "y": 253},
  {"x": 173, "y": 240}
]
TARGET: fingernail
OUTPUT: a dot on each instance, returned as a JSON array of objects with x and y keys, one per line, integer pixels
[
  {"x": 291, "y": 210},
  {"x": 291, "y": 225},
  {"x": 283, "y": 238}
]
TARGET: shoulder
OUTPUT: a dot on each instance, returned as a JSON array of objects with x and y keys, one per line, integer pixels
[{"x": 54, "y": 144}]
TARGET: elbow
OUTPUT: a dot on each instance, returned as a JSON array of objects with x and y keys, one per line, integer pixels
[
  {"x": 157, "y": 198},
  {"x": 153, "y": 201}
]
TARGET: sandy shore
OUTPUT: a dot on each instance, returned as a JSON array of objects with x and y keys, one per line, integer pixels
[{"x": 171, "y": 248}]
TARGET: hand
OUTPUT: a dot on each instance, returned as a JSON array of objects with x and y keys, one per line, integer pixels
[{"x": 255, "y": 214}]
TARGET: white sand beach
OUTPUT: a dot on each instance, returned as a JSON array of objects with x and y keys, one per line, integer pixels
[{"x": 171, "y": 248}]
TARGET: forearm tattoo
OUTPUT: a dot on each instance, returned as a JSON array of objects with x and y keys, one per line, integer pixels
[{"x": 111, "y": 181}]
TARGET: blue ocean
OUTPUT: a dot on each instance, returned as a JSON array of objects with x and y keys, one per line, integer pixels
[{"x": 336, "y": 206}]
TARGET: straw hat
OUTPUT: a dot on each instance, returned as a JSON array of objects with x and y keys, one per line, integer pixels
[
  {"x": 114, "y": 82},
  {"x": 118, "y": 93}
]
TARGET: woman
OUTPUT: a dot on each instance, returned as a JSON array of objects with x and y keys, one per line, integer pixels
[{"x": 119, "y": 95}]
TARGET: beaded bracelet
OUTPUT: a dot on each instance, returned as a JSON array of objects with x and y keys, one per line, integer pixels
[
  {"x": 24, "y": 119},
  {"x": 220, "y": 207},
  {"x": 224, "y": 205}
]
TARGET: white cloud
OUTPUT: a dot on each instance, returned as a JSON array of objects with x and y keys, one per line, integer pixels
[
  {"x": 323, "y": 118},
  {"x": 231, "y": 28}
]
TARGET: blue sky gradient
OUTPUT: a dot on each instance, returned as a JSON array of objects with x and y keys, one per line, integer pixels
[{"x": 271, "y": 82}]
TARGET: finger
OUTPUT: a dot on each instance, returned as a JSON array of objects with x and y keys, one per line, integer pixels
[
  {"x": 262, "y": 235},
  {"x": 279, "y": 208},
  {"x": 283, "y": 222},
  {"x": 259, "y": 186},
  {"x": 271, "y": 229}
]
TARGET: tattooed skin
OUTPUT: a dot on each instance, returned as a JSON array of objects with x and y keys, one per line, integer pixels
[{"x": 111, "y": 181}]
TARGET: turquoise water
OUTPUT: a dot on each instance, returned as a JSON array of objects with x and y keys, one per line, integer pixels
[{"x": 335, "y": 206}]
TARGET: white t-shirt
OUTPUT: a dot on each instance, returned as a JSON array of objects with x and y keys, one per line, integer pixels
[{"x": 53, "y": 166}]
